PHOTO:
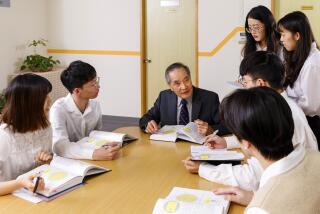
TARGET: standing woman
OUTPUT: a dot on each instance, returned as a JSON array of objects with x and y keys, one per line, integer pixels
[
  {"x": 261, "y": 32},
  {"x": 302, "y": 61},
  {"x": 25, "y": 131}
]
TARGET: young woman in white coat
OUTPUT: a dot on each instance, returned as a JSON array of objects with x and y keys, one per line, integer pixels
[
  {"x": 25, "y": 132},
  {"x": 302, "y": 62},
  {"x": 261, "y": 32}
]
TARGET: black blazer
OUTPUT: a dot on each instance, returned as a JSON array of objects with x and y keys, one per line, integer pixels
[{"x": 205, "y": 106}]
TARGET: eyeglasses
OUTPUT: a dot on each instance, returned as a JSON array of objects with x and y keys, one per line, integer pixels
[
  {"x": 244, "y": 82},
  {"x": 240, "y": 80},
  {"x": 254, "y": 29}
]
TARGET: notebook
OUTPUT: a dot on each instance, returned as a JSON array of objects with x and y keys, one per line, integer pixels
[
  {"x": 171, "y": 133},
  {"x": 97, "y": 139},
  {"x": 191, "y": 201},
  {"x": 215, "y": 156},
  {"x": 63, "y": 174}
]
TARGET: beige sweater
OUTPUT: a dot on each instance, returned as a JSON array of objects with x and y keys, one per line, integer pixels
[{"x": 296, "y": 191}]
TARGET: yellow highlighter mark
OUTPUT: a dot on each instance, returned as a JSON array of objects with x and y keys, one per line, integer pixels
[
  {"x": 97, "y": 143},
  {"x": 100, "y": 143},
  {"x": 47, "y": 171},
  {"x": 204, "y": 157},
  {"x": 171, "y": 206},
  {"x": 186, "y": 198},
  {"x": 57, "y": 176},
  {"x": 187, "y": 130},
  {"x": 207, "y": 201},
  {"x": 170, "y": 131}
]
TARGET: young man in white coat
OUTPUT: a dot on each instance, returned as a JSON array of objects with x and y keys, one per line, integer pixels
[
  {"x": 261, "y": 119},
  {"x": 258, "y": 69},
  {"x": 73, "y": 117}
]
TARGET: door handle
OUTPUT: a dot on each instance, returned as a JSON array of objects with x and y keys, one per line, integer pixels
[{"x": 147, "y": 60}]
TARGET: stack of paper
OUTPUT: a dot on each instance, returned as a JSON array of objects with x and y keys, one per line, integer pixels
[{"x": 185, "y": 201}]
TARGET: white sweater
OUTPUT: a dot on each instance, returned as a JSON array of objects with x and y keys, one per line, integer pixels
[{"x": 18, "y": 151}]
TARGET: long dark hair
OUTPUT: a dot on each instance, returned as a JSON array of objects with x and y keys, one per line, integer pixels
[
  {"x": 25, "y": 99},
  {"x": 296, "y": 22},
  {"x": 264, "y": 15}
]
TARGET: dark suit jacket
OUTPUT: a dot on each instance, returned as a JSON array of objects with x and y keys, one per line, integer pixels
[{"x": 205, "y": 106}]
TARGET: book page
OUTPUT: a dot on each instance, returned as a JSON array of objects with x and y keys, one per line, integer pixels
[
  {"x": 92, "y": 143},
  {"x": 100, "y": 138},
  {"x": 178, "y": 207},
  {"x": 166, "y": 133},
  {"x": 190, "y": 133},
  {"x": 54, "y": 178},
  {"x": 76, "y": 167},
  {"x": 107, "y": 136},
  {"x": 205, "y": 153},
  {"x": 199, "y": 197}
]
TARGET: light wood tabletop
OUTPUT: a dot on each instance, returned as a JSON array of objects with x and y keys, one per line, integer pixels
[{"x": 145, "y": 171}]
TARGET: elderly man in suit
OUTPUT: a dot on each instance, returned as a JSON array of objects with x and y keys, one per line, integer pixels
[{"x": 183, "y": 103}]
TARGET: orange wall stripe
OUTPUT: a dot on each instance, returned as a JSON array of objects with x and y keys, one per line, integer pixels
[
  {"x": 137, "y": 53},
  {"x": 94, "y": 52},
  {"x": 222, "y": 43}
]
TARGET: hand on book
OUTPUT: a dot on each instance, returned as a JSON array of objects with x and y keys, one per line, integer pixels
[
  {"x": 215, "y": 142},
  {"x": 27, "y": 182},
  {"x": 203, "y": 127},
  {"x": 152, "y": 127},
  {"x": 43, "y": 157},
  {"x": 235, "y": 194},
  {"x": 108, "y": 152},
  {"x": 191, "y": 166}
]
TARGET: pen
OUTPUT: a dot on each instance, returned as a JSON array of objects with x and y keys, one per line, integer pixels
[
  {"x": 36, "y": 184},
  {"x": 214, "y": 133}
]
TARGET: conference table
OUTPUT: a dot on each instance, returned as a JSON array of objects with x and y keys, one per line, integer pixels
[{"x": 145, "y": 171}]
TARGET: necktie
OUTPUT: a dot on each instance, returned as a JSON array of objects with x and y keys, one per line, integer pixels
[{"x": 184, "y": 114}]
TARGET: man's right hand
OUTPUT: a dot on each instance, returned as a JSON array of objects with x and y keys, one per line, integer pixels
[
  {"x": 152, "y": 127},
  {"x": 109, "y": 152},
  {"x": 27, "y": 182},
  {"x": 191, "y": 166},
  {"x": 235, "y": 194},
  {"x": 215, "y": 142}
]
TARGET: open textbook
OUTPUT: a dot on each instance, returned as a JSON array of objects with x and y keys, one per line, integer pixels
[
  {"x": 191, "y": 201},
  {"x": 188, "y": 132},
  {"x": 61, "y": 175},
  {"x": 97, "y": 139},
  {"x": 215, "y": 156}
]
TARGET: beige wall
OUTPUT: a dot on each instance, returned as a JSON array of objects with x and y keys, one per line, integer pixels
[
  {"x": 102, "y": 25},
  {"x": 21, "y": 23},
  {"x": 108, "y": 26},
  {"x": 219, "y": 36}
]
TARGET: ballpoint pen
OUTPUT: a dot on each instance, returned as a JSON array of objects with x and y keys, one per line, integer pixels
[
  {"x": 36, "y": 184},
  {"x": 214, "y": 133}
]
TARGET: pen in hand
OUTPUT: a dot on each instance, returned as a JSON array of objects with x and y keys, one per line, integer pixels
[
  {"x": 36, "y": 184},
  {"x": 214, "y": 133}
]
